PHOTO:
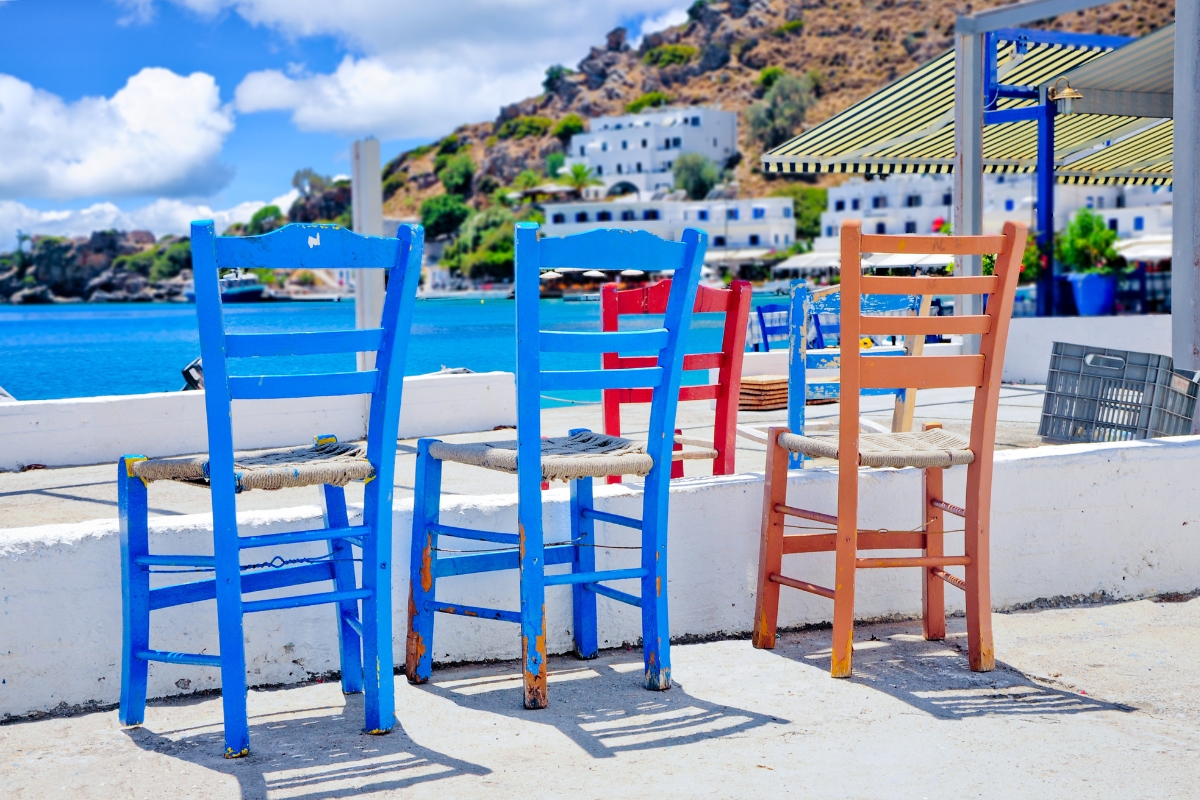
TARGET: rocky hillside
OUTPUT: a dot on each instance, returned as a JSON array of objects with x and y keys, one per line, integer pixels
[{"x": 849, "y": 48}]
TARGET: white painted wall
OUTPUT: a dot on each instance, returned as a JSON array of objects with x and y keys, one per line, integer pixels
[
  {"x": 1027, "y": 358},
  {"x": 1068, "y": 520},
  {"x": 98, "y": 430}
]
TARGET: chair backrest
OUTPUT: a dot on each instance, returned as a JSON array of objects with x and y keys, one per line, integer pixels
[
  {"x": 605, "y": 249},
  {"x": 306, "y": 247},
  {"x": 981, "y": 372},
  {"x": 734, "y": 303},
  {"x": 767, "y": 329},
  {"x": 827, "y": 303}
]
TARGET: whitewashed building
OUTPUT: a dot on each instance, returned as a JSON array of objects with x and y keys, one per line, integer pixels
[
  {"x": 914, "y": 203},
  {"x": 635, "y": 152},
  {"x": 762, "y": 223}
]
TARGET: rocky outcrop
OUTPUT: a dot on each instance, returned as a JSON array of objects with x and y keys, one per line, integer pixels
[{"x": 322, "y": 206}]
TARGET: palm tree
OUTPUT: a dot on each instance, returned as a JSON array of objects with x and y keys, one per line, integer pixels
[{"x": 580, "y": 177}]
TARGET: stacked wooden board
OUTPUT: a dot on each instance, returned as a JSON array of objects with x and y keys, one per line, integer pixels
[{"x": 763, "y": 393}]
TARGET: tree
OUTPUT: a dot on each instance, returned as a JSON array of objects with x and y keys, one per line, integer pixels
[
  {"x": 265, "y": 220},
  {"x": 1087, "y": 245},
  {"x": 695, "y": 174},
  {"x": 443, "y": 214},
  {"x": 308, "y": 182},
  {"x": 768, "y": 77},
  {"x": 484, "y": 247},
  {"x": 567, "y": 127},
  {"x": 554, "y": 162},
  {"x": 457, "y": 173},
  {"x": 580, "y": 177},
  {"x": 526, "y": 179},
  {"x": 554, "y": 77},
  {"x": 779, "y": 116},
  {"x": 810, "y": 201}
]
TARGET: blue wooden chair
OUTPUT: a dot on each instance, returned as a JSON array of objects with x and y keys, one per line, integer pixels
[
  {"x": 808, "y": 307},
  {"x": 767, "y": 329},
  {"x": 577, "y": 458},
  {"x": 364, "y": 640}
]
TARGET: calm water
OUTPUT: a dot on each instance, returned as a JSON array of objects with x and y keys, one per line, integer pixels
[{"x": 85, "y": 350}]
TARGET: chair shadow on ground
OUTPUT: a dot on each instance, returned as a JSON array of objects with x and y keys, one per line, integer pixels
[
  {"x": 311, "y": 754},
  {"x": 599, "y": 704},
  {"x": 895, "y": 659}
]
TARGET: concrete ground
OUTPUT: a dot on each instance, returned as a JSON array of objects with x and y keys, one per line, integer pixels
[
  {"x": 76, "y": 494},
  {"x": 1096, "y": 701}
]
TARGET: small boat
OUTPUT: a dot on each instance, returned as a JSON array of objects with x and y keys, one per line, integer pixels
[{"x": 238, "y": 288}]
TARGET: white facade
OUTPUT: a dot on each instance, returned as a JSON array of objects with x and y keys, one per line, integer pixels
[
  {"x": 764, "y": 222},
  {"x": 640, "y": 149},
  {"x": 913, "y": 203}
]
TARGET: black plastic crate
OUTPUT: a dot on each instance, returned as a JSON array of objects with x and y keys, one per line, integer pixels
[{"x": 1096, "y": 394}]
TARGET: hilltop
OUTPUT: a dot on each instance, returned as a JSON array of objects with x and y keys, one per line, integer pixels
[{"x": 847, "y": 49}]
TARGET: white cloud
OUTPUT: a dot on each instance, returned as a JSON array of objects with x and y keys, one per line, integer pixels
[
  {"x": 160, "y": 133},
  {"x": 667, "y": 19},
  {"x": 419, "y": 67},
  {"x": 163, "y": 216}
]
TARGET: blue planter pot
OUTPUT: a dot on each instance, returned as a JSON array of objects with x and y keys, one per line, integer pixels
[{"x": 1095, "y": 294}]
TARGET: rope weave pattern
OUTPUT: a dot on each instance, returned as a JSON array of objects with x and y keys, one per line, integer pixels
[
  {"x": 932, "y": 448},
  {"x": 335, "y": 463},
  {"x": 584, "y": 455}
]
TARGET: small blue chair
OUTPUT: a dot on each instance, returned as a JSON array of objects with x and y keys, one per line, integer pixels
[
  {"x": 577, "y": 458},
  {"x": 366, "y": 639},
  {"x": 806, "y": 309}
]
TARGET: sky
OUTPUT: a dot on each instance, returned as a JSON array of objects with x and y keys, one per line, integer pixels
[{"x": 150, "y": 113}]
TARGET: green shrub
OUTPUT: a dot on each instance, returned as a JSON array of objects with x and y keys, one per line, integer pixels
[
  {"x": 456, "y": 174},
  {"x": 449, "y": 145},
  {"x": 490, "y": 141},
  {"x": 393, "y": 183},
  {"x": 527, "y": 179},
  {"x": 554, "y": 77},
  {"x": 788, "y": 28},
  {"x": 443, "y": 214},
  {"x": 810, "y": 201},
  {"x": 567, "y": 127},
  {"x": 654, "y": 99},
  {"x": 554, "y": 162},
  {"x": 484, "y": 247},
  {"x": 669, "y": 54},
  {"x": 521, "y": 127},
  {"x": 1087, "y": 245},
  {"x": 779, "y": 116},
  {"x": 265, "y": 220},
  {"x": 695, "y": 174},
  {"x": 768, "y": 77}
]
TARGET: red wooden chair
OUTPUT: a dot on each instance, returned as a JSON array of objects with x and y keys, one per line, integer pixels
[
  {"x": 932, "y": 450},
  {"x": 734, "y": 303}
]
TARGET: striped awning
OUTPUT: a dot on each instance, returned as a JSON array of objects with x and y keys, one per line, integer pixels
[{"x": 908, "y": 127}]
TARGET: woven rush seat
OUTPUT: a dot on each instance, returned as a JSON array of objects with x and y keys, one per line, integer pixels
[
  {"x": 931, "y": 448},
  {"x": 330, "y": 462},
  {"x": 564, "y": 458}
]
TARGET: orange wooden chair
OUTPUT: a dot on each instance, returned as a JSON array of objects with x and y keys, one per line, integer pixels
[
  {"x": 734, "y": 303},
  {"x": 932, "y": 450}
]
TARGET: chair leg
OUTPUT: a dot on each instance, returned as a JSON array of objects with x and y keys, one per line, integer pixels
[
  {"x": 980, "y": 651},
  {"x": 427, "y": 493},
  {"x": 933, "y": 589},
  {"x": 229, "y": 624},
  {"x": 341, "y": 553},
  {"x": 135, "y": 592},
  {"x": 583, "y": 599},
  {"x": 379, "y": 701},
  {"x": 656, "y": 623},
  {"x": 533, "y": 598},
  {"x": 845, "y": 568},
  {"x": 770, "y": 548}
]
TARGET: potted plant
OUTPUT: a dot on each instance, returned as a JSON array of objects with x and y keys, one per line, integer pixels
[{"x": 1085, "y": 249}]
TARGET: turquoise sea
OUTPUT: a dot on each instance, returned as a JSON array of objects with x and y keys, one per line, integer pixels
[{"x": 106, "y": 349}]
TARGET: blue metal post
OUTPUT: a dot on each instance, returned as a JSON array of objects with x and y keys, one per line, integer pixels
[
  {"x": 135, "y": 591},
  {"x": 1045, "y": 208}
]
